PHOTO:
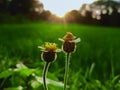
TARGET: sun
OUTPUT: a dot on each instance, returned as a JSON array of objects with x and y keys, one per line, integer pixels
[{"x": 61, "y": 7}]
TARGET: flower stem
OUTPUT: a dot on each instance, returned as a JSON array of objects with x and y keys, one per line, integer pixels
[
  {"x": 66, "y": 70},
  {"x": 45, "y": 70}
]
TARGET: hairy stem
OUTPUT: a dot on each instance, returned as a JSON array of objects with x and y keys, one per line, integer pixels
[
  {"x": 66, "y": 70},
  {"x": 45, "y": 70}
]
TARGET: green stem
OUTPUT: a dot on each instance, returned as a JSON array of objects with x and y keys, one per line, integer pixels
[
  {"x": 45, "y": 70},
  {"x": 66, "y": 70}
]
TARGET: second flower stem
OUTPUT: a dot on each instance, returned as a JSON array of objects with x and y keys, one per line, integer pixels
[
  {"x": 66, "y": 70},
  {"x": 45, "y": 70}
]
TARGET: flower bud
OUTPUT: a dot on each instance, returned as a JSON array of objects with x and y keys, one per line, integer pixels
[
  {"x": 69, "y": 42},
  {"x": 49, "y": 56},
  {"x": 49, "y": 52},
  {"x": 69, "y": 47}
]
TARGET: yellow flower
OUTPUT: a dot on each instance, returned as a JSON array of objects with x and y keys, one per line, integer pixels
[
  {"x": 50, "y": 47},
  {"x": 49, "y": 52}
]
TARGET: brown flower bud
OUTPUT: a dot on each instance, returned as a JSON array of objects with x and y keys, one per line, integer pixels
[
  {"x": 69, "y": 47},
  {"x": 49, "y": 56},
  {"x": 69, "y": 43}
]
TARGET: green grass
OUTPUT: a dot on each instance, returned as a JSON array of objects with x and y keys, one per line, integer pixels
[{"x": 94, "y": 65}]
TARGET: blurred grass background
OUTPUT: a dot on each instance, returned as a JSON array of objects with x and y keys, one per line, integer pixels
[{"x": 96, "y": 59}]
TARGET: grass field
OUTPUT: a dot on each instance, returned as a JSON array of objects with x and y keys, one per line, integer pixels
[{"x": 94, "y": 66}]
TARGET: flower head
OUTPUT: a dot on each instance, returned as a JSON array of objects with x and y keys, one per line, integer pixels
[
  {"x": 69, "y": 37},
  {"x": 69, "y": 42},
  {"x": 49, "y": 52},
  {"x": 51, "y": 47}
]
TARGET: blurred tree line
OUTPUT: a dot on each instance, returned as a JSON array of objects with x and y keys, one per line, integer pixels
[
  {"x": 100, "y": 12},
  {"x": 18, "y": 10}
]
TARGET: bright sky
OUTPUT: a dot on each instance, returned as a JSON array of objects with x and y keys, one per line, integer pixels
[{"x": 60, "y": 7}]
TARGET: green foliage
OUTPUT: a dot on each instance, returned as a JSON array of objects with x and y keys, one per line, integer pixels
[
  {"x": 22, "y": 77},
  {"x": 94, "y": 65}
]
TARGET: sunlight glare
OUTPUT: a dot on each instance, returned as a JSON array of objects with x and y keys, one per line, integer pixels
[{"x": 61, "y": 7}]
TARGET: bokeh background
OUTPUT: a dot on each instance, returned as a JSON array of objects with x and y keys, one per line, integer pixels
[{"x": 25, "y": 25}]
